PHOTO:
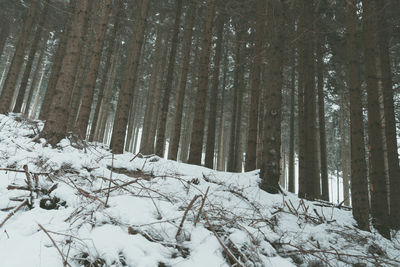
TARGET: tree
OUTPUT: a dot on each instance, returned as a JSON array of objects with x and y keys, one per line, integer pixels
[
  {"x": 18, "y": 59},
  {"x": 129, "y": 79},
  {"x": 180, "y": 93},
  {"x": 196, "y": 144},
  {"x": 270, "y": 169},
  {"x": 160, "y": 145},
  {"x": 379, "y": 204},
  {"x": 55, "y": 127},
  {"x": 212, "y": 118},
  {"x": 359, "y": 183},
  {"x": 88, "y": 93}
]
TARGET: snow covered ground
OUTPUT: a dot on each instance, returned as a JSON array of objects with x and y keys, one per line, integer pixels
[{"x": 75, "y": 209}]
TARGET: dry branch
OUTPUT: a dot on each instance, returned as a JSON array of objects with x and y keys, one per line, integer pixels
[
  {"x": 65, "y": 263},
  {"x": 185, "y": 214},
  {"x": 13, "y": 212}
]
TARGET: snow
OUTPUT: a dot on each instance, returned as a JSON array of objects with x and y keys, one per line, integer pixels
[{"x": 147, "y": 201}]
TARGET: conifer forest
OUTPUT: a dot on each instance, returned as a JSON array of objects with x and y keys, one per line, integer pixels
[{"x": 200, "y": 132}]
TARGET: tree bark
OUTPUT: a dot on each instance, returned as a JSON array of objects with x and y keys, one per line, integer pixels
[
  {"x": 210, "y": 143},
  {"x": 58, "y": 59},
  {"x": 270, "y": 169},
  {"x": 129, "y": 78},
  {"x": 390, "y": 121},
  {"x": 379, "y": 203},
  {"x": 28, "y": 68},
  {"x": 160, "y": 143},
  {"x": 180, "y": 94},
  {"x": 55, "y": 127},
  {"x": 88, "y": 93},
  {"x": 251, "y": 151},
  {"x": 18, "y": 59},
  {"x": 196, "y": 143}
]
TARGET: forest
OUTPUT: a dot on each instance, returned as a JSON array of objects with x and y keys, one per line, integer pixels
[{"x": 303, "y": 93}]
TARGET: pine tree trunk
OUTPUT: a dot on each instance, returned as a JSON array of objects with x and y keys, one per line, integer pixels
[
  {"x": 28, "y": 68},
  {"x": 251, "y": 152},
  {"x": 157, "y": 98},
  {"x": 379, "y": 203},
  {"x": 88, "y": 93},
  {"x": 18, "y": 59},
  {"x": 180, "y": 94},
  {"x": 212, "y": 119},
  {"x": 291, "y": 167},
  {"x": 110, "y": 50},
  {"x": 34, "y": 80},
  {"x": 4, "y": 32},
  {"x": 58, "y": 59},
  {"x": 270, "y": 169},
  {"x": 390, "y": 122},
  {"x": 155, "y": 72},
  {"x": 343, "y": 146},
  {"x": 196, "y": 143},
  {"x": 160, "y": 143},
  {"x": 55, "y": 128},
  {"x": 129, "y": 79},
  {"x": 321, "y": 120},
  {"x": 222, "y": 133}
]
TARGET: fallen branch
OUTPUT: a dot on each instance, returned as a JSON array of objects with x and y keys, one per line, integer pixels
[
  {"x": 65, "y": 263},
  {"x": 184, "y": 215},
  {"x": 203, "y": 200},
  {"x": 227, "y": 251},
  {"x": 13, "y": 212}
]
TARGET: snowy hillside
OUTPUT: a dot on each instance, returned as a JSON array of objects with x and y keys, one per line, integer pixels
[{"x": 88, "y": 208}]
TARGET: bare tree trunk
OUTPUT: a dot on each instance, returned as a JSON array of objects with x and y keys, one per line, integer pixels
[
  {"x": 270, "y": 168},
  {"x": 28, "y": 68},
  {"x": 34, "y": 79},
  {"x": 222, "y": 134},
  {"x": 390, "y": 122},
  {"x": 379, "y": 203},
  {"x": 88, "y": 93},
  {"x": 55, "y": 127},
  {"x": 343, "y": 151},
  {"x": 196, "y": 143},
  {"x": 210, "y": 144},
  {"x": 291, "y": 167},
  {"x": 58, "y": 59},
  {"x": 111, "y": 48},
  {"x": 160, "y": 143},
  {"x": 129, "y": 79},
  {"x": 252, "y": 129},
  {"x": 180, "y": 94},
  {"x": 18, "y": 59}
]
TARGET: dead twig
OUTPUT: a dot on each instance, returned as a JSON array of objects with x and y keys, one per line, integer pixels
[
  {"x": 13, "y": 212},
  {"x": 185, "y": 214},
  {"x": 65, "y": 262},
  {"x": 203, "y": 200},
  {"x": 109, "y": 184},
  {"x": 227, "y": 251}
]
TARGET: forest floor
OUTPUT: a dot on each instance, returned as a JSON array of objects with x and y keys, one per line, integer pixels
[{"x": 78, "y": 205}]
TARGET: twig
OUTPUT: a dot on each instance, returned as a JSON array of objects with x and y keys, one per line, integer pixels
[
  {"x": 203, "y": 200},
  {"x": 227, "y": 251},
  {"x": 109, "y": 184},
  {"x": 65, "y": 263},
  {"x": 185, "y": 214},
  {"x": 13, "y": 212},
  {"x": 23, "y": 171}
]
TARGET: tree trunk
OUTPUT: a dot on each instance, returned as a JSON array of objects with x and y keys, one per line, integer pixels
[
  {"x": 88, "y": 93},
  {"x": 210, "y": 143},
  {"x": 34, "y": 79},
  {"x": 251, "y": 152},
  {"x": 55, "y": 127},
  {"x": 129, "y": 79},
  {"x": 321, "y": 120},
  {"x": 18, "y": 59},
  {"x": 196, "y": 143},
  {"x": 160, "y": 143},
  {"x": 28, "y": 68},
  {"x": 155, "y": 72},
  {"x": 58, "y": 59},
  {"x": 343, "y": 146},
  {"x": 379, "y": 203},
  {"x": 180, "y": 94},
  {"x": 291, "y": 166},
  {"x": 390, "y": 122},
  {"x": 270, "y": 169},
  {"x": 110, "y": 50},
  {"x": 222, "y": 134}
]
